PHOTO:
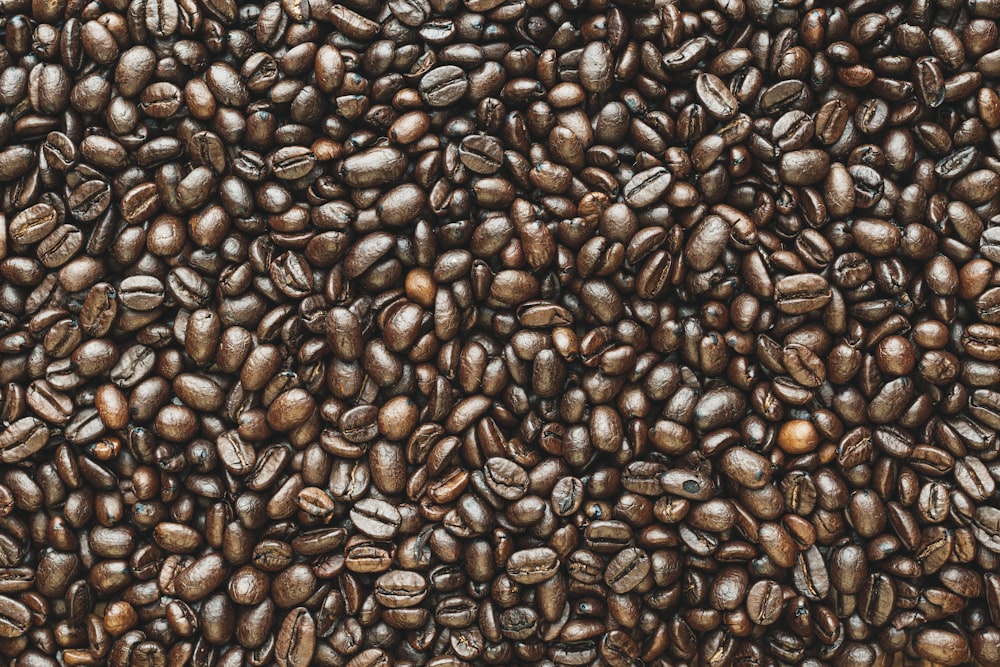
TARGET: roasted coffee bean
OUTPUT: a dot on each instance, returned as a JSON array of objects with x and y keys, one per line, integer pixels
[
  {"x": 376, "y": 166},
  {"x": 443, "y": 86},
  {"x": 506, "y": 478},
  {"x": 532, "y": 566},
  {"x": 17, "y": 161},
  {"x": 803, "y": 293},
  {"x": 33, "y": 224},
  {"x": 719, "y": 101},
  {"x": 646, "y": 187},
  {"x": 23, "y": 438},
  {"x": 295, "y": 644},
  {"x": 482, "y": 154},
  {"x": 627, "y": 570},
  {"x": 376, "y": 518},
  {"x": 942, "y": 646},
  {"x": 400, "y": 588},
  {"x": 765, "y": 602},
  {"x": 16, "y": 618}
]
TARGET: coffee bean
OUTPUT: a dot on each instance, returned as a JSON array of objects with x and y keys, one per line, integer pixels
[
  {"x": 627, "y": 570},
  {"x": 716, "y": 96},
  {"x": 16, "y": 161},
  {"x": 810, "y": 575},
  {"x": 506, "y": 478},
  {"x": 296, "y": 641},
  {"x": 400, "y": 589},
  {"x": 804, "y": 167},
  {"x": 482, "y": 154},
  {"x": 532, "y": 566},
  {"x": 22, "y": 439},
  {"x": 291, "y": 162},
  {"x": 942, "y": 646},
  {"x": 51, "y": 405},
  {"x": 411, "y": 12},
  {"x": 646, "y": 187},
  {"x": 798, "y": 437},
  {"x": 802, "y": 293},
  {"x": 141, "y": 292},
  {"x": 33, "y": 224},
  {"x": 15, "y": 620},
  {"x": 443, "y": 86},
  {"x": 197, "y": 580},
  {"x": 376, "y": 518},
  {"x": 765, "y": 602},
  {"x": 177, "y": 538}
]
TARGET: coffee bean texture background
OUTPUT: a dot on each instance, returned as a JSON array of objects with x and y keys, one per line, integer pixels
[{"x": 452, "y": 333}]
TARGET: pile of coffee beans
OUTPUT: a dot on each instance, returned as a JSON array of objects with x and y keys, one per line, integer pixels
[{"x": 435, "y": 333}]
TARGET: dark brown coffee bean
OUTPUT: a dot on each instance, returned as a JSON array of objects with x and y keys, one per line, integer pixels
[
  {"x": 765, "y": 602},
  {"x": 16, "y": 161},
  {"x": 291, "y": 162},
  {"x": 33, "y": 224},
  {"x": 296, "y": 641},
  {"x": 204, "y": 575},
  {"x": 443, "y": 86},
  {"x": 376, "y": 518},
  {"x": 506, "y": 478},
  {"x": 804, "y": 167},
  {"x": 51, "y": 405},
  {"x": 716, "y": 96},
  {"x": 985, "y": 525},
  {"x": 532, "y": 566},
  {"x": 646, "y": 187},
  {"x": 707, "y": 242},
  {"x": 942, "y": 646},
  {"x": 482, "y": 154},
  {"x": 400, "y": 589},
  {"x": 811, "y": 577},
  {"x": 596, "y": 67},
  {"x": 15, "y": 620},
  {"x": 627, "y": 570},
  {"x": 802, "y": 293},
  {"x": 22, "y": 439}
]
